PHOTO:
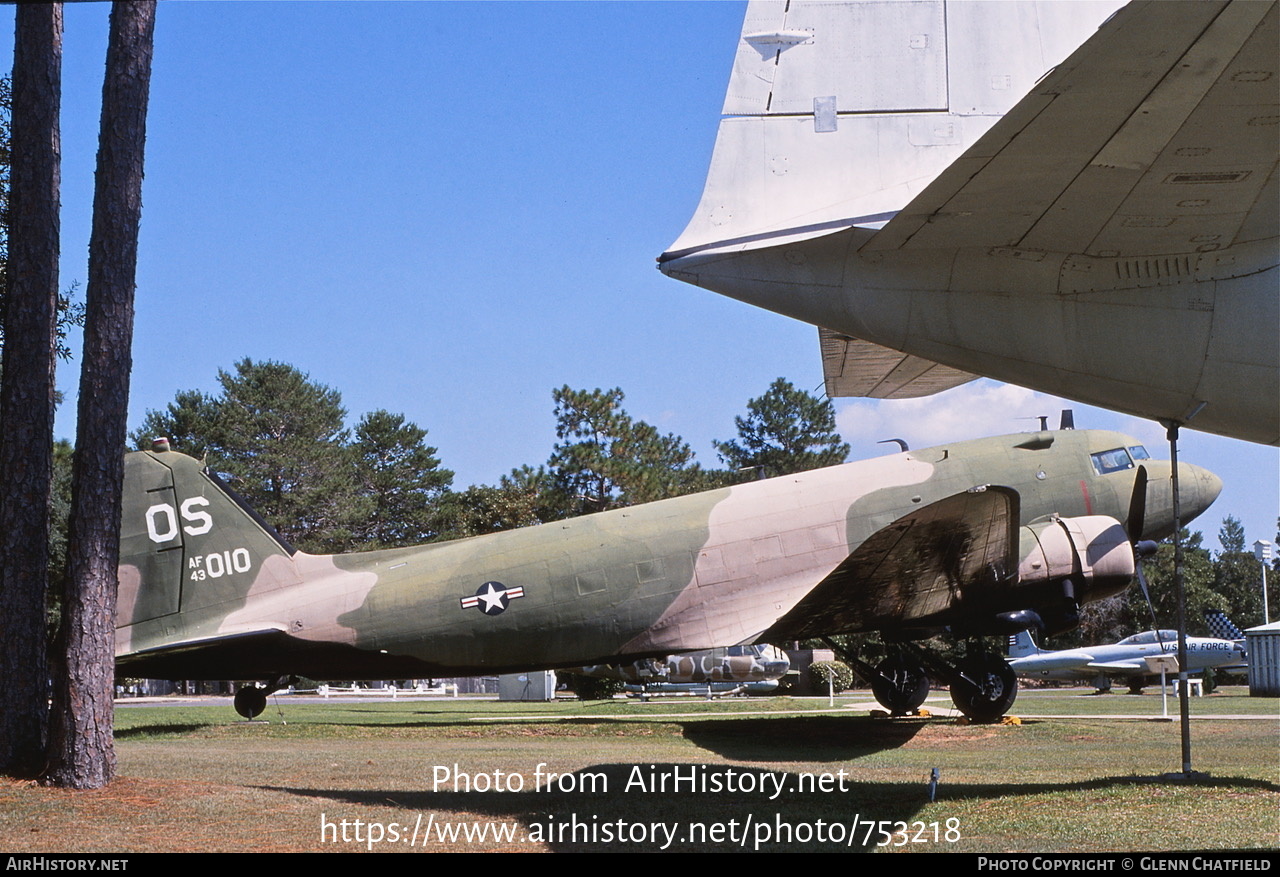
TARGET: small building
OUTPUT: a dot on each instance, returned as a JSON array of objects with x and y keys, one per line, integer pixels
[
  {"x": 1263, "y": 645},
  {"x": 536, "y": 685}
]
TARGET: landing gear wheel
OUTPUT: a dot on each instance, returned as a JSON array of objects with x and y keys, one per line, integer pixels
[
  {"x": 251, "y": 701},
  {"x": 986, "y": 689},
  {"x": 900, "y": 684}
]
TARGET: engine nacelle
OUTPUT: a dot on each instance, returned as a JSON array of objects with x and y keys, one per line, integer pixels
[{"x": 1092, "y": 555}]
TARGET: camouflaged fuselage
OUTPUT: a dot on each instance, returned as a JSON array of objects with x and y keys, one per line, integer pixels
[{"x": 206, "y": 591}]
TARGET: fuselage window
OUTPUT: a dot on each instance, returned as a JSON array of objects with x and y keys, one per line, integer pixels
[
  {"x": 1111, "y": 461},
  {"x": 1138, "y": 452}
]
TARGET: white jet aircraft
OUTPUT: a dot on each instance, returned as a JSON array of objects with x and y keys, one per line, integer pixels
[{"x": 1123, "y": 660}]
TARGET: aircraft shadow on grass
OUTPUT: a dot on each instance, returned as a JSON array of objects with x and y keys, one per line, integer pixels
[{"x": 624, "y": 796}]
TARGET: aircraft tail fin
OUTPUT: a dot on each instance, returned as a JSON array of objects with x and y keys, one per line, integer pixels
[
  {"x": 1221, "y": 626},
  {"x": 1022, "y": 645},
  {"x": 839, "y": 113},
  {"x": 188, "y": 547}
]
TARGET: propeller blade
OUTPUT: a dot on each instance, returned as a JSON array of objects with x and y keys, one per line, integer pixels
[
  {"x": 1141, "y": 552},
  {"x": 1137, "y": 505}
]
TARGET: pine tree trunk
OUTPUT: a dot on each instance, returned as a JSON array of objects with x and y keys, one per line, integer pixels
[
  {"x": 26, "y": 397},
  {"x": 81, "y": 754}
]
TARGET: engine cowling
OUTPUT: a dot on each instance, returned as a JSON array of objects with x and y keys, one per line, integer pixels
[{"x": 1091, "y": 553}]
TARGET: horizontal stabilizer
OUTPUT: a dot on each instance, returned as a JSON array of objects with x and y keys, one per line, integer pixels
[{"x": 853, "y": 367}]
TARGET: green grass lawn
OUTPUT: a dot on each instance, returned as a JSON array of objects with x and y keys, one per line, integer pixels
[{"x": 194, "y": 778}]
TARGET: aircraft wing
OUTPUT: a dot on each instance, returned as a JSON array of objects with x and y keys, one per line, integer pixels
[
  {"x": 1139, "y": 144},
  {"x": 917, "y": 567},
  {"x": 1136, "y": 665},
  {"x": 853, "y": 367}
]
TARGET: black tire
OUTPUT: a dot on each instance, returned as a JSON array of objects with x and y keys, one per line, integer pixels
[
  {"x": 251, "y": 701},
  {"x": 987, "y": 688},
  {"x": 900, "y": 684}
]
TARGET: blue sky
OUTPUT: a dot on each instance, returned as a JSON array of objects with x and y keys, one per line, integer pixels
[{"x": 450, "y": 209}]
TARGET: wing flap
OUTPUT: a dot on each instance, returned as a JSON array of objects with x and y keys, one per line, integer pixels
[
  {"x": 853, "y": 367},
  {"x": 913, "y": 570}
]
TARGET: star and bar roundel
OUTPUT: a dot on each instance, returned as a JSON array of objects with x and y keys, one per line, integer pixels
[{"x": 493, "y": 598}]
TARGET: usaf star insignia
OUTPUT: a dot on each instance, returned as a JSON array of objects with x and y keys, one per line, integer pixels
[{"x": 493, "y": 598}]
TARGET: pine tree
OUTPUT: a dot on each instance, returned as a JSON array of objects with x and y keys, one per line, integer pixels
[
  {"x": 281, "y": 439},
  {"x": 1238, "y": 576},
  {"x": 785, "y": 431},
  {"x": 27, "y": 394},
  {"x": 80, "y": 748},
  {"x": 606, "y": 459},
  {"x": 400, "y": 479}
]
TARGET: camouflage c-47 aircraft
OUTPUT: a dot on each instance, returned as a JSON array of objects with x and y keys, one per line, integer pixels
[{"x": 980, "y": 537}]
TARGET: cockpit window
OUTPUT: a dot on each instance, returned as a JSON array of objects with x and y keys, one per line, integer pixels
[
  {"x": 1149, "y": 637},
  {"x": 1114, "y": 460},
  {"x": 1138, "y": 452}
]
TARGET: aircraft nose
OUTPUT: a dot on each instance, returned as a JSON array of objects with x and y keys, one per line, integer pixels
[
  {"x": 1200, "y": 488},
  {"x": 1197, "y": 489}
]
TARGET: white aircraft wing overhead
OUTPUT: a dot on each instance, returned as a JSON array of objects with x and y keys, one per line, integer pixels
[
  {"x": 1157, "y": 138},
  {"x": 853, "y": 367}
]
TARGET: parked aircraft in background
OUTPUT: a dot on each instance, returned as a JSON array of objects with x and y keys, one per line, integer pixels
[
  {"x": 1098, "y": 665},
  {"x": 945, "y": 196},
  {"x": 976, "y": 537},
  {"x": 1223, "y": 627},
  {"x": 754, "y": 669}
]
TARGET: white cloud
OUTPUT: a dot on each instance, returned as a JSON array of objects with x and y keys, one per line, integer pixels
[{"x": 977, "y": 409}]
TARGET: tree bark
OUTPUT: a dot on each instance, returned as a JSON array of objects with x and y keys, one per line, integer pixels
[
  {"x": 81, "y": 753},
  {"x": 26, "y": 394}
]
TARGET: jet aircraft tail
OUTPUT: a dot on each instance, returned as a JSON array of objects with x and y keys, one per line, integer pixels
[
  {"x": 1021, "y": 645},
  {"x": 1222, "y": 627}
]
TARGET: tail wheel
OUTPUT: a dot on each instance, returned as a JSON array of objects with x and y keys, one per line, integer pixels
[
  {"x": 900, "y": 684},
  {"x": 986, "y": 689},
  {"x": 251, "y": 701}
]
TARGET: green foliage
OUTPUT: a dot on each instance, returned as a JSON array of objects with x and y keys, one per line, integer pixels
[
  {"x": 1198, "y": 583},
  {"x": 280, "y": 440},
  {"x": 59, "y": 513},
  {"x": 785, "y": 431},
  {"x": 837, "y": 671},
  {"x": 1237, "y": 576},
  {"x": 281, "y": 437},
  {"x": 189, "y": 422},
  {"x": 606, "y": 460},
  {"x": 591, "y": 688},
  {"x": 525, "y": 497},
  {"x": 401, "y": 479}
]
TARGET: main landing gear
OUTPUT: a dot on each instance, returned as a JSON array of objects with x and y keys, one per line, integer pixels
[
  {"x": 983, "y": 685},
  {"x": 900, "y": 684}
]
